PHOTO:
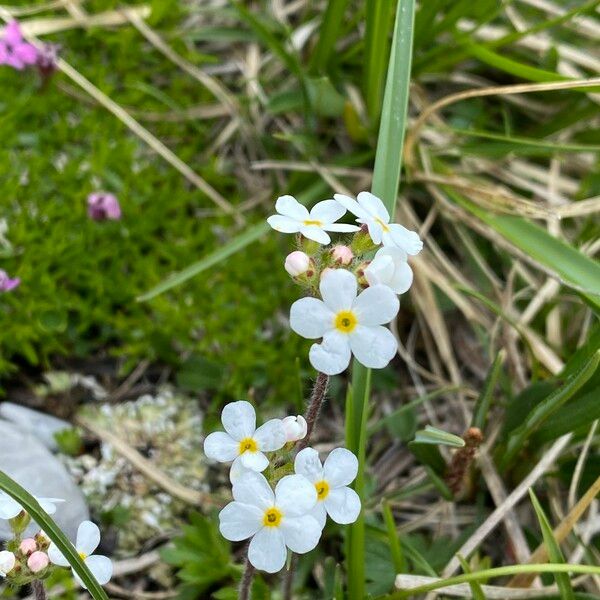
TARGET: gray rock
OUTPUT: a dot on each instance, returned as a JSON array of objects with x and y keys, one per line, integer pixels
[
  {"x": 40, "y": 425},
  {"x": 34, "y": 467}
]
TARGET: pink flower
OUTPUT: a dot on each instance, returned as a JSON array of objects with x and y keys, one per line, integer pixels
[
  {"x": 342, "y": 255},
  {"x": 46, "y": 59},
  {"x": 14, "y": 50},
  {"x": 103, "y": 206},
  {"x": 28, "y": 546},
  {"x": 38, "y": 561},
  {"x": 6, "y": 283}
]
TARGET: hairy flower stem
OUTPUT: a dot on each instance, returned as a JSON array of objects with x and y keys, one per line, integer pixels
[
  {"x": 314, "y": 407},
  {"x": 39, "y": 591},
  {"x": 246, "y": 583},
  {"x": 289, "y": 579}
]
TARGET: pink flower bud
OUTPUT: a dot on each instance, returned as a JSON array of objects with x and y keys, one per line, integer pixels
[
  {"x": 38, "y": 561},
  {"x": 28, "y": 545},
  {"x": 295, "y": 428},
  {"x": 103, "y": 206},
  {"x": 342, "y": 255},
  {"x": 297, "y": 263}
]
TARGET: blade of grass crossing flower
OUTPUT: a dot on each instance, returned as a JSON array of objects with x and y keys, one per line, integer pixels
[
  {"x": 328, "y": 35},
  {"x": 378, "y": 22},
  {"x": 554, "y": 552},
  {"x": 386, "y": 177},
  {"x": 30, "y": 504},
  {"x": 474, "y": 585}
]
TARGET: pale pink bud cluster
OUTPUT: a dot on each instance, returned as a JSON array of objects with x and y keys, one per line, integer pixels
[
  {"x": 38, "y": 561},
  {"x": 342, "y": 255},
  {"x": 28, "y": 546}
]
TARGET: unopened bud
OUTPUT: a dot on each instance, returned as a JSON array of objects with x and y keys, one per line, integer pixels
[
  {"x": 295, "y": 428},
  {"x": 342, "y": 255},
  {"x": 28, "y": 546},
  {"x": 362, "y": 242},
  {"x": 7, "y": 562},
  {"x": 297, "y": 263},
  {"x": 38, "y": 561},
  {"x": 360, "y": 274}
]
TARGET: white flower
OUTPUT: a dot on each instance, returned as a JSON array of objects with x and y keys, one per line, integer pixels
[
  {"x": 7, "y": 562},
  {"x": 243, "y": 442},
  {"x": 274, "y": 521},
  {"x": 295, "y": 428},
  {"x": 331, "y": 479},
  {"x": 371, "y": 211},
  {"x": 295, "y": 218},
  {"x": 347, "y": 323},
  {"x": 10, "y": 508},
  {"x": 390, "y": 267},
  {"x": 88, "y": 539}
]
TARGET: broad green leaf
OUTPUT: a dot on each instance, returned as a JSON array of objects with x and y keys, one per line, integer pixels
[
  {"x": 554, "y": 552},
  {"x": 53, "y": 531},
  {"x": 432, "y": 435}
]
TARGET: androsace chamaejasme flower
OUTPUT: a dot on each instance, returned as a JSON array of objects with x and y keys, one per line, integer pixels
[
  {"x": 349, "y": 324},
  {"x": 293, "y": 217},
  {"x": 274, "y": 520},
  {"x": 9, "y": 508},
  {"x": 371, "y": 212},
  {"x": 390, "y": 267},
  {"x": 242, "y": 442}
]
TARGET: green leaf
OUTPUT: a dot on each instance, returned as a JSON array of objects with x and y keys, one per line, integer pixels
[
  {"x": 328, "y": 34},
  {"x": 395, "y": 547},
  {"x": 474, "y": 585},
  {"x": 554, "y": 552},
  {"x": 485, "y": 398},
  {"x": 432, "y": 435},
  {"x": 52, "y": 530}
]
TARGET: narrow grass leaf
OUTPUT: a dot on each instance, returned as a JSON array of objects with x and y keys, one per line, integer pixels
[
  {"x": 484, "y": 401},
  {"x": 474, "y": 585},
  {"x": 393, "y": 540},
  {"x": 329, "y": 32},
  {"x": 432, "y": 435}
]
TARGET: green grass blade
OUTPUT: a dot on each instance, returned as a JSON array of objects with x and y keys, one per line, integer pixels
[
  {"x": 438, "y": 437},
  {"x": 395, "y": 547},
  {"x": 328, "y": 35},
  {"x": 554, "y": 552},
  {"x": 474, "y": 585},
  {"x": 485, "y": 399},
  {"x": 378, "y": 23},
  {"x": 571, "y": 266},
  {"x": 386, "y": 177},
  {"x": 548, "y": 407},
  {"x": 30, "y": 504}
]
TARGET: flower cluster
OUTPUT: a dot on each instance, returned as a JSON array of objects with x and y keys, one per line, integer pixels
[
  {"x": 17, "y": 53},
  {"x": 280, "y": 502},
  {"x": 27, "y": 559},
  {"x": 351, "y": 295}
]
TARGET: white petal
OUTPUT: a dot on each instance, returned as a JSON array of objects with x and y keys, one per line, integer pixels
[
  {"x": 352, "y": 205},
  {"x": 238, "y": 521},
  {"x": 221, "y": 447},
  {"x": 328, "y": 211},
  {"x": 7, "y": 562},
  {"x": 402, "y": 279},
  {"x": 270, "y": 436},
  {"x": 101, "y": 568},
  {"x": 9, "y": 508},
  {"x": 373, "y": 347},
  {"x": 340, "y": 468},
  {"x": 310, "y": 318},
  {"x": 48, "y": 505},
  {"x": 332, "y": 355},
  {"x": 320, "y": 514},
  {"x": 295, "y": 495},
  {"x": 407, "y": 240},
  {"x": 267, "y": 550},
  {"x": 88, "y": 537},
  {"x": 255, "y": 461},
  {"x": 290, "y": 207},
  {"x": 376, "y": 305},
  {"x": 398, "y": 277},
  {"x": 374, "y": 206},
  {"x": 307, "y": 463},
  {"x": 56, "y": 556},
  {"x": 253, "y": 488},
  {"x": 340, "y": 227},
  {"x": 301, "y": 534},
  {"x": 375, "y": 231},
  {"x": 237, "y": 470},
  {"x": 338, "y": 289},
  {"x": 239, "y": 419},
  {"x": 284, "y": 224},
  {"x": 315, "y": 233},
  {"x": 342, "y": 505},
  {"x": 380, "y": 270}
]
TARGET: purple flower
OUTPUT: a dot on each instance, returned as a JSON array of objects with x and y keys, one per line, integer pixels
[
  {"x": 14, "y": 50},
  {"x": 103, "y": 206},
  {"x": 6, "y": 283}
]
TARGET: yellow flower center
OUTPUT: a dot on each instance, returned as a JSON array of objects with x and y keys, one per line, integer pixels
[
  {"x": 309, "y": 222},
  {"x": 248, "y": 445},
  {"x": 82, "y": 555},
  {"x": 345, "y": 321},
  {"x": 322, "y": 488},
  {"x": 383, "y": 225},
  {"x": 272, "y": 517}
]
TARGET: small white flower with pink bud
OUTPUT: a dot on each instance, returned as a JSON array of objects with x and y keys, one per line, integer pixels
[
  {"x": 38, "y": 561},
  {"x": 7, "y": 562},
  {"x": 295, "y": 428},
  {"x": 297, "y": 263},
  {"x": 342, "y": 255},
  {"x": 28, "y": 546}
]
